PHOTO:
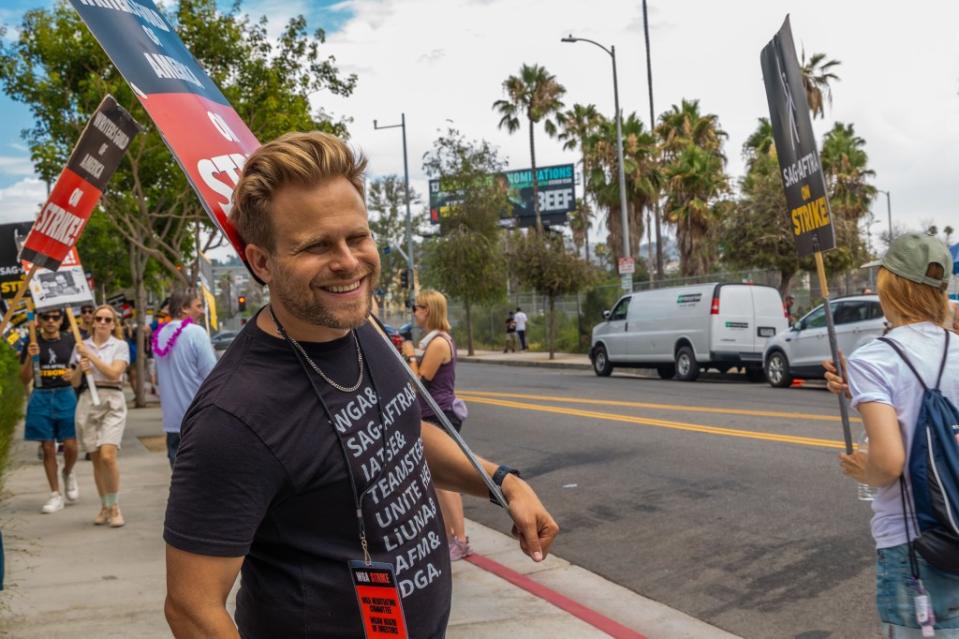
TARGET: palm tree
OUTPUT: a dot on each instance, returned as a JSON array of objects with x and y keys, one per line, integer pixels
[
  {"x": 684, "y": 124},
  {"x": 536, "y": 94},
  {"x": 817, "y": 74},
  {"x": 579, "y": 124},
  {"x": 948, "y": 231},
  {"x": 760, "y": 142},
  {"x": 641, "y": 168},
  {"x": 845, "y": 166},
  {"x": 580, "y": 223}
]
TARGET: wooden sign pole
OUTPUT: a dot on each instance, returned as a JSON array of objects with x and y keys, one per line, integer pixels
[
  {"x": 94, "y": 396},
  {"x": 834, "y": 349},
  {"x": 16, "y": 300}
]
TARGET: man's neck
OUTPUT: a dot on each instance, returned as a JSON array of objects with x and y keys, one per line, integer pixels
[
  {"x": 296, "y": 328},
  {"x": 55, "y": 335}
]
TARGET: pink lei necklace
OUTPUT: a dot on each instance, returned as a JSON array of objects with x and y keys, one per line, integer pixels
[{"x": 164, "y": 351}]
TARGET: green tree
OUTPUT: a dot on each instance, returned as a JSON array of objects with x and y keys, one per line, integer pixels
[
  {"x": 386, "y": 199},
  {"x": 467, "y": 261},
  {"x": 535, "y": 94},
  {"x": 542, "y": 263},
  {"x": 642, "y": 172},
  {"x": 817, "y": 78},
  {"x": 58, "y": 69},
  {"x": 580, "y": 223},
  {"x": 579, "y": 124},
  {"x": 845, "y": 166},
  {"x": 695, "y": 179}
]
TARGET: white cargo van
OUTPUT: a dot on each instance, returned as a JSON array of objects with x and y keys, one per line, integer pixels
[{"x": 682, "y": 331}]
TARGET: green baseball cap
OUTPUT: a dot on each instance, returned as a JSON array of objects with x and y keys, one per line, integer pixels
[{"x": 910, "y": 256}]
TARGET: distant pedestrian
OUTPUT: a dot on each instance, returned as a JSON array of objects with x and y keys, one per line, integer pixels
[
  {"x": 50, "y": 411},
  {"x": 86, "y": 320},
  {"x": 436, "y": 366},
  {"x": 184, "y": 357},
  {"x": 888, "y": 393},
  {"x": 789, "y": 305},
  {"x": 520, "y": 317},
  {"x": 510, "y": 334},
  {"x": 101, "y": 427}
]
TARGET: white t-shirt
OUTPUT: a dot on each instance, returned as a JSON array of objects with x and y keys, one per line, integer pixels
[
  {"x": 110, "y": 351},
  {"x": 520, "y": 319},
  {"x": 877, "y": 374}
]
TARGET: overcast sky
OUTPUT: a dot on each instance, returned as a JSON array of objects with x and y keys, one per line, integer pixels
[{"x": 439, "y": 60}]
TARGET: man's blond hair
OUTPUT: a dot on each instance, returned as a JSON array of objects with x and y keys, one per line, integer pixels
[{"x": 300, "y": 159}]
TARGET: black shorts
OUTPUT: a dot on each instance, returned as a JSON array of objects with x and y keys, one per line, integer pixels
[{"x": 454, "y": 420}]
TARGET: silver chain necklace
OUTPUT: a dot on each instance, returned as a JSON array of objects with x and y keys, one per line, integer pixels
[{"x": 359, "y": 358}]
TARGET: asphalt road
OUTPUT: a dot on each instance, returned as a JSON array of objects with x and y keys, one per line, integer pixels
[{"x": 720, "y": 498}]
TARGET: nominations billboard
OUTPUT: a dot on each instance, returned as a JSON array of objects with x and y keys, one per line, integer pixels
[
  {"x": 557, "y": 195},
  {"x": 808, "y": 212}
]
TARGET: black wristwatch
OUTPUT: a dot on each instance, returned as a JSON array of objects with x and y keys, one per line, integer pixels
[{"x": 498, "y": 478}]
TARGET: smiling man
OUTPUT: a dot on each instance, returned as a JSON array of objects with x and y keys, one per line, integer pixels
[{"x": 303, "y": 460}]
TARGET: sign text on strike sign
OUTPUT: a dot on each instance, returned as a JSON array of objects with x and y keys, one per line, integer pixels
[{"x": 810, "y": 216}]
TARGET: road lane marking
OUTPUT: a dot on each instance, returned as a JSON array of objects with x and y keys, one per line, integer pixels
[
  {"x": 661, "y": 423},
  {"x": 674, "y": 407}
]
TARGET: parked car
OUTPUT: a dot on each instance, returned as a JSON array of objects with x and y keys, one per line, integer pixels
[
  {"x": 798, "y": 351},
  {"x": 682, "y": 331},
  {"x": 223, "y": 339}
]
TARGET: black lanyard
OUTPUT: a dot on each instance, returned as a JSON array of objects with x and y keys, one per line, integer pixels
[{"x": 357, "y": 496}]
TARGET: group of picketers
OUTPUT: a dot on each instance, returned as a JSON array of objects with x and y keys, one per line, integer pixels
[{"x": 65, "y": 414}]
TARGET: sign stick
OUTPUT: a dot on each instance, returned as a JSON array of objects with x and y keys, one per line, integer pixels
[
  {"x": 834, "y": 349},
  {"x": 440, "y": 415},
  {"x": 19, "y": 296},
  {"x": 32, "y": 323},
  {"x": 94, "y": 396}
]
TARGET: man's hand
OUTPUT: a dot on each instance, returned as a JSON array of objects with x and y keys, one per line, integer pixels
[
  {"x": 33, "y": 350},
  {"x": 834, "y": 382},
  {"x": 532, "y": 524}
]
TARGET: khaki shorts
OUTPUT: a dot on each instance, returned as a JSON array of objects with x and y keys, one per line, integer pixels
[{"x": 103, "y": 424}]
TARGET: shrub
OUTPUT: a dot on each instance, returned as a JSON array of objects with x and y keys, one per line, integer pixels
[{"x": 12, "y": 394}]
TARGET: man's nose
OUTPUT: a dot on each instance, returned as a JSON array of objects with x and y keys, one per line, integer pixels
[{"x": 343, "y": 258}]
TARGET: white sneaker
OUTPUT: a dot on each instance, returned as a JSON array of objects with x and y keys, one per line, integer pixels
[
  {"x": 70, "y": 485},
  {"x": 53, "y": 504}
]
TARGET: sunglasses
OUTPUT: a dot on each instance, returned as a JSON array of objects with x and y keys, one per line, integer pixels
[
  {"x": 100, "y": 319},
  {"x": 419, "y": 306},
  {"x": 49, "y": 318},
  {"x": 86, "y": 310}
]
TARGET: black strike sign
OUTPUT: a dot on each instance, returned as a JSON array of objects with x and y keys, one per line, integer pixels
[{"x": 808, "y": 214}]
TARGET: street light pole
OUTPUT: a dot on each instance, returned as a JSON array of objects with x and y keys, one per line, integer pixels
[
  {"x": 409, "y": 218},
  {"x": 888, "y": 212},
  {"x": 619, "y": 142},
  {"x": 652, "y": 126}
]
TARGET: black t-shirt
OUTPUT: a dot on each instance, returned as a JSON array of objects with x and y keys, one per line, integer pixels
[
  {"x": 260, "y": 474},
  {"x": 54, "y": 360},
  {"x": 510, "y": 325}
]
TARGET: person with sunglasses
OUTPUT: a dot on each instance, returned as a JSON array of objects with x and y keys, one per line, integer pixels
[
  {"x": 86, "y": 320},
  {"x": 50, "y": 411},
  {"x": 101, "y": 427}
]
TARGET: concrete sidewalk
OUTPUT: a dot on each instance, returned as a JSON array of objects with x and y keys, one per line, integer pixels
[
  {"x": 526, "y": 358},
  {"x": 67, "y": 578}
]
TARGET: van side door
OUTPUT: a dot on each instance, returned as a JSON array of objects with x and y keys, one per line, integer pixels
[{"x": 614, "y": 333}]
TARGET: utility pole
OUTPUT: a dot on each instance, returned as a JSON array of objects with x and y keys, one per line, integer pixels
[
  {"x": 652, "y": 127},
  {"x": 411, "y": 292}
]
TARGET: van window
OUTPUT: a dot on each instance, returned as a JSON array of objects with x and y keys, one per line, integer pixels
[{"x": 619, "y": 312}]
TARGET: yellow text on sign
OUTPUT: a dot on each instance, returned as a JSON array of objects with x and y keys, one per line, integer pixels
[{"x": 809, "y": 217}]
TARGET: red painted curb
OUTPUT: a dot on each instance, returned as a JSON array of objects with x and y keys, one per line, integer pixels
[{"x": 590, "y": 616}]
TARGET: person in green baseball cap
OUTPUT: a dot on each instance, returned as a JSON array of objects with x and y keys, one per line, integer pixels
[{"x": 912, "y": 280}]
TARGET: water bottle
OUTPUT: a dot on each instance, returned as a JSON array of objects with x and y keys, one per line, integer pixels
[{"x": 865, "y": 492}]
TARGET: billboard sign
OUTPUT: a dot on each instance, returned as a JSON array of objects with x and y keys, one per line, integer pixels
[
  {"x": 203, "y": 131},
  {"x": 557, "y": 195},
  {"x": 808, "y": 215}
]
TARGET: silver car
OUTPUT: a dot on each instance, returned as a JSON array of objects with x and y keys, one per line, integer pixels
[{"x": 798, "y": 352}]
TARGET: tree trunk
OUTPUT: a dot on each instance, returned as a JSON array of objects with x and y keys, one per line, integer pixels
[
  {"x": 532, "y": 159},
  {"x": 785, "y": 279},
  {"x": 551, "y": 327},
  {"x": 469, "y": 329}
]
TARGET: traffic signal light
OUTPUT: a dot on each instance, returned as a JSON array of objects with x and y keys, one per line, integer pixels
[
  {"x": 241, "y": 303},
  {"x": 405, "y": 279}
]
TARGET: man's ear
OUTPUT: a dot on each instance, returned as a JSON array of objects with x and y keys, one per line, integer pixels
[{"x": 259, "y": 261}]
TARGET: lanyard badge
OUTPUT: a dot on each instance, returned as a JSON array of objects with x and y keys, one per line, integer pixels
[{"x": 380, "y": 605}]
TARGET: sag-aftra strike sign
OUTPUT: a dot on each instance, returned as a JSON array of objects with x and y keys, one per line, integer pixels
[
  {"x": 207, "y": 137},
  {"x": 808, "y": 215},
  {"x": 95, "y": 157}
]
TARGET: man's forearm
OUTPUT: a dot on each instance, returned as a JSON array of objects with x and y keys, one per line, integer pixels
[
  {"x": 449, "y": 466},
  {"x": 189, "y": 622}
]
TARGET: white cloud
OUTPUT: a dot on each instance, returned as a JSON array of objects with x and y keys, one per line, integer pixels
[
  {"x": 15, "y": 165},
  {"x": 20, "y": 201},
  {"x": 900, "y": 92}
]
